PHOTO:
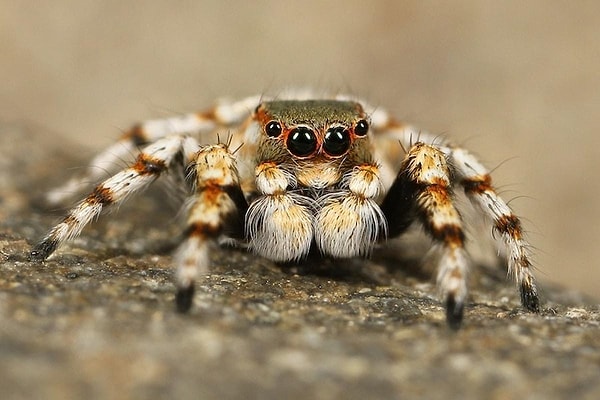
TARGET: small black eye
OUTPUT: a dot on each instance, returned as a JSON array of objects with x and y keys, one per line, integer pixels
[
  {"x": 302, "y": 141},
  {"x": 337, "y": 141},
  {"x": 361, "y": 128},
  {"x": 273, "y": 129}
]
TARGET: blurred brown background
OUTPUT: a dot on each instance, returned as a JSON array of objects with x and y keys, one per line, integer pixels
[{"x": 517, "y": 82}]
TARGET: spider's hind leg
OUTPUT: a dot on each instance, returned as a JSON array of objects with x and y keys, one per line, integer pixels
[
  {"x": 151, "y": 162},
  {"x": 422, "y": 190},
  {"x": 477, "y": 183},
  {"x": 226, "y": 114}
]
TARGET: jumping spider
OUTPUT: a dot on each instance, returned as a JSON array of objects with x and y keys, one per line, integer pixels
[{"x": 297, "y": 174}]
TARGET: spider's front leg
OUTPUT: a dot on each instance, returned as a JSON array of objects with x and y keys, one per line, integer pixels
[
  {"x": 477, "y": 183},
  {"x": 217, "y": 207},
  {"x": 423, "y": 189}
]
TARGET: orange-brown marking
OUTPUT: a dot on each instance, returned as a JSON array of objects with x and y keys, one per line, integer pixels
[
  {"x": 147, "y": 165},
  {"x": 524, "y": 262},
  {"x": 438, "y": 195},
  {"x": 370, "y": 171},
  {"x": 393, "y": 124},
  {"x": 478, "y": 184},
  {"x": 261, "y": 115},
  {"x": 211, "y": 196},
  {"x": 264, "y": 166},
  {"x": 452, "y": 235},
  {"x": 137, "y": 135},
  {"x": 456, "y": 273},
  {"x": 436, "y": 200},
  {"x": 509, "y": 224},
  {"x": 208, "y": 114},
  {"x": 70, "y": 220},
  {"x": 100, "y": 195},
  {"x": 211, "y": 191},
  {"x": 202, "y": 230}
]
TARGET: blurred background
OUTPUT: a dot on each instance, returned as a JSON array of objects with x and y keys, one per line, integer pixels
[{"x": 516, "y": 82}]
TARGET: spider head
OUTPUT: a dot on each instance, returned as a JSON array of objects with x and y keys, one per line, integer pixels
[{"x": 312, "y": 129}]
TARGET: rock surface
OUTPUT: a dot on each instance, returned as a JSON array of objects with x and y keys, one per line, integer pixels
[{"x": 97, "y": 320}]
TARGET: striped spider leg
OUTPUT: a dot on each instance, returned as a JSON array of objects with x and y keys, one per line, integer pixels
[
  {"x": 477, "y": 184},
  {"x": 216, "y": 207},
  {"x": 151, "y": 162},
  {"x": 423, "y": 189}
]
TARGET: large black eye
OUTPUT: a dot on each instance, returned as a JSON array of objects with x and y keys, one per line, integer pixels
[
  {"x": 361, "y": 128},
  {"x": 302, "y": 141},
  {"x": 337, "y": 141},
  {"x": 273, "y": 129}
]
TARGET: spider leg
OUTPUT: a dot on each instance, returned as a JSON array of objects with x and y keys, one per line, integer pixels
[
  {"x": 224, "y": 114},
  {"x": 422, "y": 189},
  {"x": 217, "y": 207},
  {"x": 150, "y": 163},
  {"x": 477, "y": 183},
  {"x": 388, "y": 127}
]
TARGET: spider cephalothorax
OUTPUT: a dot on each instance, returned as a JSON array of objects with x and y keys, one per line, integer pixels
[
  {"x": 317, "y": 178},
  {"x": 334, "y": 175}
]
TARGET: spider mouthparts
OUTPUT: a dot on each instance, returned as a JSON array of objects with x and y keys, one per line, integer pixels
[
  {"x": 454, "y": 312},
  {"x": 183, "y": 298}
]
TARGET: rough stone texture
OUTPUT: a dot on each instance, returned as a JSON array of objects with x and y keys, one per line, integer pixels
[{"x": 98, "y": 320}]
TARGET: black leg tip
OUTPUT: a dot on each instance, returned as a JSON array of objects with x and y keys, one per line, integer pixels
[
  {"x": 184, "y": 299},
  {"x": 454, "y": 312},
  {"x": 42, "y": 250},
  {"x": 530, "y": 299}
]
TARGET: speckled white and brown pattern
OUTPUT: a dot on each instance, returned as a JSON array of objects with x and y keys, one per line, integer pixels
[{"x": 298, "y": 173}]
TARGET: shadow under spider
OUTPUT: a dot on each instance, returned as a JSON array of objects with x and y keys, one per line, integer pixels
[{"x": 381, "y": 268}]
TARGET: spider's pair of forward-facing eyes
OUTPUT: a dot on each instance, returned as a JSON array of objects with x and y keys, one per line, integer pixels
[{"x": 302, "y": 140}]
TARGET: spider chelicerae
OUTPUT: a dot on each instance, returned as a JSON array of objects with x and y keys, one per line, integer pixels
[{"x": 299, "y": 173}]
